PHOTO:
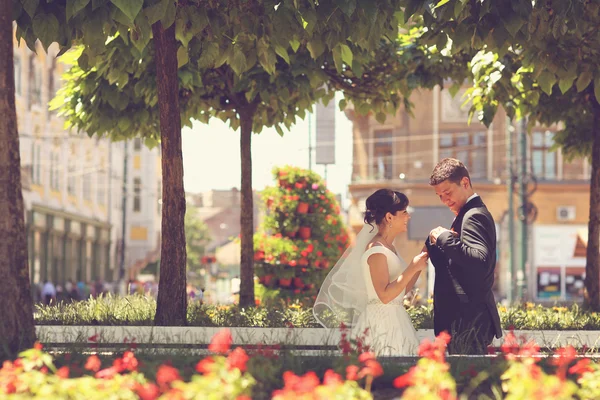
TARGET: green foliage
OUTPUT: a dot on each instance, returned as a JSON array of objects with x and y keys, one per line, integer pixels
[
  {"x": 302, "y": 234},
  {"x": 536, "y": 59},
  {"x": 139, "y": 310}
]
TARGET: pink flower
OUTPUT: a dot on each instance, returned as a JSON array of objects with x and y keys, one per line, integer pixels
[{"x": 315, "y": 186}]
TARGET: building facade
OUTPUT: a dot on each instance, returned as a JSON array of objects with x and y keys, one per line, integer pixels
[
  {"x": 402, "y": 152},
  {"x": 73, "y": 186}
]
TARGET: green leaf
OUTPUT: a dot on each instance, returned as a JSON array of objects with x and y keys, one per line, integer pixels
[
  {"x": 337, "y": 59},
  {"x": 546, "y": 81},
  {"x": 282, "y": 52},
  {"x": 238, "y": 61},
  {"x": 347, "y": 56},
  {"x": 380, "y": 117},
  {"x": 74, "y": 6},
  {"x": 131, "y": 8},
  {"x": 513, "y": 23},
  {"x": 182, "y": 56},
  {"x": 295, "y": 45},
  {"x": 156, "y": 11},
  {"x": 583, "y": 81},
  {"x": 347, "y": 6},
  {"x": 343, "y": 104},
  {"x": 597, "y": 89},
  {"x": 316, "y": 48},
  {"x": 186, "y": 77},
  {"x": 441, "y": 3},
  {"x": 170, "y": 15},
  {"x": 454, "y": 89},
  {"x": 30, "y": 6},
  {"x": 45, "y": 27},
  {"x": 565, "y": 84}
]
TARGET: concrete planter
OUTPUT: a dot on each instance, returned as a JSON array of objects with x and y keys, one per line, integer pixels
[{"x": 314, "y": 337}]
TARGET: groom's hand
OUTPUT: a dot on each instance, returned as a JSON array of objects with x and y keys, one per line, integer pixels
[{"x": 435, "y": 233}]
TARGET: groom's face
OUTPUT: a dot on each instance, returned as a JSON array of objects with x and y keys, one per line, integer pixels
[{"x": 454, "y": 195}]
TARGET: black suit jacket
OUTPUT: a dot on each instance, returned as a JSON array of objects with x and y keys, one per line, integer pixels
[{"x": 468, "y": 259}]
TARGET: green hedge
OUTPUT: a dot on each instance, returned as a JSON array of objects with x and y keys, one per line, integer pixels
[{"x": 138, "y": 310}]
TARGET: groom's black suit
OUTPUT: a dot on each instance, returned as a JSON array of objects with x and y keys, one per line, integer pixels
[{"x": 463, "y": 302}]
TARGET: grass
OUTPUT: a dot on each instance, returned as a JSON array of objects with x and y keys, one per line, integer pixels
[{"x": 139, "y": 311}]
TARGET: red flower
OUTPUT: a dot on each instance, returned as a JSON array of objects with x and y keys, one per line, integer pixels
[
  {"x": 364, "y": 357},
  {"x": 300, "y": 384},
  {"x": 204, "y": 366},
  {"x": 581, "y": 367},
  {"x": 221, "y": 342},
  {"x": 351, "y": 372},
  {"x": 63, "y": 372},
  {"x": 405, "y": 380},
  {"x": 332, "y": 379},
  {"x": 130, "y": 363},
  {"x": 38, "y": 346},
  {"x": 93, "y": 363},
  {"x": 237, "y": 359},
  {"x": 147, "y": 391},
  {"x": 93, "y": 338},
  {"x": 564, "y": 356},
  {"x": 243, "y": 397},
  {"x": 166, "y": 374},
  {"x": 372, "y": 368}
]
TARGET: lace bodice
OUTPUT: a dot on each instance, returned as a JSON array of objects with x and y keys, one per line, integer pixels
[{"x": 396, "y": 265}]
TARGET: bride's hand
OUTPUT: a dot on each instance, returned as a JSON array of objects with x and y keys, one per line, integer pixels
[{"x": 420, "y": 261}]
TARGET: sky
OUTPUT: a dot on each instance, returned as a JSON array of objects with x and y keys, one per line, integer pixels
[{"x": 211, "y": 155}]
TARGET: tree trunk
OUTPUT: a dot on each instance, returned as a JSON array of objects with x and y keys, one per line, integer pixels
[
  {"x": 17, "y": 331},
  {"x": 171, "y": 305},
  {"x": 247, "y": 208},
  {"x": 592, "y": 267}
]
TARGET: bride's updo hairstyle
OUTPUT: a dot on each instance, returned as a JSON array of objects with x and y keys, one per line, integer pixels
[{"x": 382, "y": 202}]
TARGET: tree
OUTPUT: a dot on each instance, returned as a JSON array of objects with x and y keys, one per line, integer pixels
[
  {"x": 551, "y": 48},
  {"x": 17, "y": 331},
  {"x": 302, "y": 235},
  {"x": 197, "y": 237},
  {"x": 299, "y": 55}
]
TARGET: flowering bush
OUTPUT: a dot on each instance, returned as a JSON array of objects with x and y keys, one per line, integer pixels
[
  {"x": 237, "y": 374},
  {"x": 302, "y": 234},
  {"x": 430, "y": 378},
  {"x": 221, "y": 376}
]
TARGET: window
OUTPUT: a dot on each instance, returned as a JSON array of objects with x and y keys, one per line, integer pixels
[
  {"x": 36, "y": 161},
  {"x": 53, "y": 81},
  {"x": 55, "y": 170},
  {"x": 137, "y": 144},
  {"x": 543, "y": 161},
  {"x": 468, "y": 147},
  {"x": 137, "y": 194},
  {"x": 87, "y": 177},
  {"x": 383, "y": 154},
  {"x": 35, "y": 81},
  {"x": 18, "y": 82},
  {"x": 102, "y": 183},
  {"x": 72, "y": 172}
]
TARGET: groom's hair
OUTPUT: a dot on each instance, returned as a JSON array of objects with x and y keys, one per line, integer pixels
[{"x": 449, "y": 169}]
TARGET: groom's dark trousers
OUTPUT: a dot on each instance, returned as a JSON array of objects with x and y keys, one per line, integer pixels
[{"x": 463, "y": 302}]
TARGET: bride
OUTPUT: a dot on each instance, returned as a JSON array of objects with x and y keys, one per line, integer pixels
[{"x": 365, "y": 289}]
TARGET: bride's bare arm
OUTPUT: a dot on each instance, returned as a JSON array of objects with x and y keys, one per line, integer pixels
[
  {"x": 411, "y": 284},
  {"x": 386, "y": 290}
]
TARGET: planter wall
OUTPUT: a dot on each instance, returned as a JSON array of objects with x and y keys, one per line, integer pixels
[{"x": 58, "y": 335}]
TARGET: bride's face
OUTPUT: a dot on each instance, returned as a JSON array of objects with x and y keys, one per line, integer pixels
[{"x": 400, "y": 221}]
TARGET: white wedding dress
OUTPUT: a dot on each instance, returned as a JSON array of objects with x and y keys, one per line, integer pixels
[{"x": 390, "y": 330}]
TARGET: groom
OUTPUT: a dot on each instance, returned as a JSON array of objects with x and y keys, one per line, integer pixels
[{"x": 464, "y": 258}]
